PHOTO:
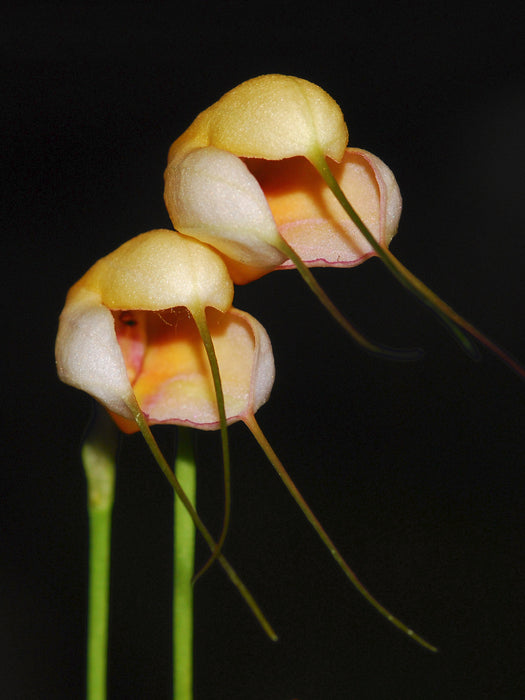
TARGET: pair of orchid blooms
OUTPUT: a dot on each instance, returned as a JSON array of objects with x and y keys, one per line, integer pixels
[{"x": 261, "y": 181}]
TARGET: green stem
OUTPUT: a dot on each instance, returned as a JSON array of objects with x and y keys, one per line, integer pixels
[
  {"x": 314, "y": 522},
  {"x": 170, "y": 476},
  {"x": 183, "y": 566},
  {"x": 456, "y": 323},
  {"x": 98, "y": 457}
]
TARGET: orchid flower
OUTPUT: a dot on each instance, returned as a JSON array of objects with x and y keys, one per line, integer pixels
[
  {"x": 236, "y": 179},
  {"x": 240, "y": 179},
  {"x": 150, "y": 333},
  {"x": 130, "y": 336}
]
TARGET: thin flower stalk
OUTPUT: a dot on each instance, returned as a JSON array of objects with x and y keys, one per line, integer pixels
[
  {"x": 183, "y": 568},
  {"x": 179, "y": 491},
  {"x": 454, "y": 321},
  {"x": 274, "y": 460},
  {"x": 98, "y": 457}
]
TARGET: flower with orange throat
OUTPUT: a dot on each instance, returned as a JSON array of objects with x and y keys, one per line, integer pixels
[
  {"x": 130, "y": 333},
  {"x": 265, "y": 176},
  {"x": 240, "y": 179},
  {"x": 149, "y": 332}
]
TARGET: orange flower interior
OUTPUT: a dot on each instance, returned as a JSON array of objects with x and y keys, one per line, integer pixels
[
  {"x": 169, "y": 369},
  {"x": 309, "y": 217}
]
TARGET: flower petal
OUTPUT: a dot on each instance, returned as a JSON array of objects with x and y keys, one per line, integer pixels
[
  {"x": 311, "y": 220},
  {"x": 211, "y": 195},
  {"x": 158, "y": 270},
  {"x": 271, "y": 116},
  {"x": 154, "y": 271},
  {"x": 87, "y": 352},
  {"x": 174, "y": 385}
]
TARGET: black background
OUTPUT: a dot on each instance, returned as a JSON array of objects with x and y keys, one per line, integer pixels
[{"x": 415, "y": 470}]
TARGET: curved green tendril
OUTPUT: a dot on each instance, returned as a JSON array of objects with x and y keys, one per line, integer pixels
[
  {"x": 170, "y": 476},
  {"x": 256, "y": 431},
  {"x": 454, "y": 322},
  {"x": 402, "y": 355},
  {"x": 202, "y": 325}
]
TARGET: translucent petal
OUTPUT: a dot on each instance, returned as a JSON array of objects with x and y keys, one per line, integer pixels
[
  {"x": 88, "y": 355},
  {"x": 212, "y": 196}
]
